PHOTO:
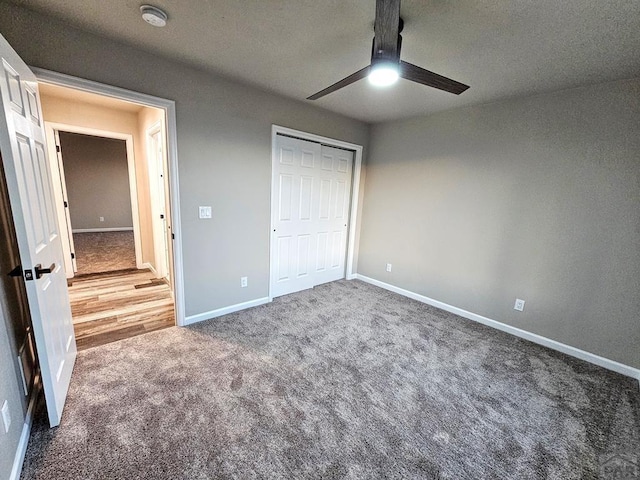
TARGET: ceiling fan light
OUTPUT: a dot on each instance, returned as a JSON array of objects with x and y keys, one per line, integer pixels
[{"x": 384, "y": 74}]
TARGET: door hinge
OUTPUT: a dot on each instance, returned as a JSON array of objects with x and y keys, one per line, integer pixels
[
  {"x": 58, "y": 148},
  {"x": 73, "y": 255},
  {"x": 162, "y": 216},
  {"x": 16, "y": 272},
  {"x": 66, "y": 204},
  {"x": 173, "y": 237},
  {"x": 28, "y": 275}
]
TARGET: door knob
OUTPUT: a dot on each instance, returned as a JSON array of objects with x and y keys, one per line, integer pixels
[{"x": 41, "y": 271}]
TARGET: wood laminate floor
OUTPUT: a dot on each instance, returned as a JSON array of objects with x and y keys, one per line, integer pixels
[{"x": 110, "y": 306}]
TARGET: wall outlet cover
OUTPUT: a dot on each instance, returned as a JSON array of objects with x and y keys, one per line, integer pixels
[
  {"x": 519, "y": 305},
  {"x": 389, "y": 267},
  {"x": 244, "y": 282}
]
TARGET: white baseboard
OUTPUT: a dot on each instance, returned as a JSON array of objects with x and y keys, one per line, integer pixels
[
  {"x": 532, "y": 337},
  {"x": 21, "y": 451},
  {"x": 98, "y": 230},
  {"x": 224, "y": 311},
  {"x": 150, "y": 267}
]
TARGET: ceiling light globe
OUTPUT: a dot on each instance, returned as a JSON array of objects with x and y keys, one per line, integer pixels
[{"x": 384, "y": 74}]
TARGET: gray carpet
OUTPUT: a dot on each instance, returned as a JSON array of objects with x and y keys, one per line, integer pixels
[
  {"x": 342, "y": 381},
  {"x": 98, "y": 252}
]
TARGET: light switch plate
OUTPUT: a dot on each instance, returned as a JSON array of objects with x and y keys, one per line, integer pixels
[{"x": 204, "y": 212}]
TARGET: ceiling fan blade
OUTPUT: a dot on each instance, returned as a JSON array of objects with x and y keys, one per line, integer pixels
[
  {"x": 354, "y": 77},
  {"x": 386, "y": 29},
  {"x": 425, "y": 77}
]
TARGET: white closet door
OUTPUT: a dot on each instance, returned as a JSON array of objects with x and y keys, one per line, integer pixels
[
  {"x": 333, "y": 193},
  {"x": 311, "y": 191}
]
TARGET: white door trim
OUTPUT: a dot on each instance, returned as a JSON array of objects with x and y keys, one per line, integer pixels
[
  {"x": 51, "y": 127},
  {"x": 169, "y": 107},
  {"x": 355, "y": 190}
]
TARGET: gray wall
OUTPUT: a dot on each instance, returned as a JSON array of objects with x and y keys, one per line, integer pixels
[
  {"x": 537, "y": 198},
  {"x": 97, "y": 179},
  {"x": 224, "y": 148},
  {"x": 10, "y": 390}
]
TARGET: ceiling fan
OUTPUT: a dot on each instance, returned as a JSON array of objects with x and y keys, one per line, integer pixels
[{"x": 386, "y": 66}]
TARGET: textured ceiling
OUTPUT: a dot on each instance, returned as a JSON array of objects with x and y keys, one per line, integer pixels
[{"x": 501, "y": 48}]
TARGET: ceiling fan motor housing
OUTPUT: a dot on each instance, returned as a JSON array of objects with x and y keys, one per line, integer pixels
[{"x": 381, "y": 56}]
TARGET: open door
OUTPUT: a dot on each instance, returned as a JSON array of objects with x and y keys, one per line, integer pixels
[
  {"x": 157, "y": 190},
  {"x": 61, "y": 200},
  {"x": 24, "y": 156}
]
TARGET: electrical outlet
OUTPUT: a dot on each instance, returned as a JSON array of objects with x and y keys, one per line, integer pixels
[
  {"x": 6, "y": 416},
  {"x": 102, "y": 219},
  {"x": 388, "y": 267},
  {"x": 244, "y": 282},
  {"x": 519, "y": 305},
  {"x": 204, "y": 212}
]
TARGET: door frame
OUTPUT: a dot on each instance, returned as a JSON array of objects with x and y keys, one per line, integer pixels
[
  {"x": 58, "y": 172},
  {"x": 169, "y": 108},
  {"x": 350, "y": 270}
]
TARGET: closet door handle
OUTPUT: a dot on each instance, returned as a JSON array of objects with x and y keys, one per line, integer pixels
[{"x": 41, "y": 271}]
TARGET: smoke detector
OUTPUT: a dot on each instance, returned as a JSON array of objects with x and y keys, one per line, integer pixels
[{"x": 153, "y": 15}]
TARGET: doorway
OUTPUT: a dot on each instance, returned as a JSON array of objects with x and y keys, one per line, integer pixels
[
  {"x": 100, "y": 160},
  {"x": 30, "y": 190},
  {"x": 95, "y": 180}
]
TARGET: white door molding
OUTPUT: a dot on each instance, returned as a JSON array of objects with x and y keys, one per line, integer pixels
[
  {"x": 51, "y": 128},
  {"x": 355, "y": 190},
  {"x": 169, "y": 107}
]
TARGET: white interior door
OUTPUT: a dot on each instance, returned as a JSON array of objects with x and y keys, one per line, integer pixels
[
  {"x": 61, "y": 199},
  {"x": 157, "y": 186},
  {"x": 334, "y": 192},
  {"x": 311, "y": 191},
  {"x": 24, "y": 156}
]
